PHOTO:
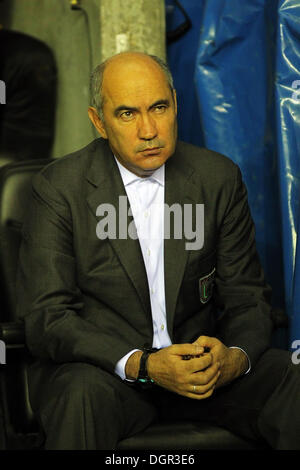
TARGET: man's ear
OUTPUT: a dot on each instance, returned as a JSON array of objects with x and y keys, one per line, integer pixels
[
  {"x": 175, "y": 100},
  {"x": 97, "y": 122}
]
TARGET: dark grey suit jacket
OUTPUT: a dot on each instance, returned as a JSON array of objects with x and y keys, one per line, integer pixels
[{"x": 85, "y": 299}]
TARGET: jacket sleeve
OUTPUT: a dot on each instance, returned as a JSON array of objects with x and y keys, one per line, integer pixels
[
  {"x": 242, "y": 295},
  {"x": 49, "y": 299}
]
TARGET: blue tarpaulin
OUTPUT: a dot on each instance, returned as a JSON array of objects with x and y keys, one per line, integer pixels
[{"x": 236, "y": 73}]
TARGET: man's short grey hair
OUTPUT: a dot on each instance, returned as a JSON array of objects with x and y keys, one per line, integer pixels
[{"x": 97, "y": 79}]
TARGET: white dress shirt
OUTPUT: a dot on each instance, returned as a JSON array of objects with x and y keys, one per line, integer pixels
[{"x": 146, "y": 198}]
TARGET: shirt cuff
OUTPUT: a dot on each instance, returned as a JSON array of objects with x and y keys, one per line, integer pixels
[
  {"x": 249, "y": 363},
  {"x": 120, "y": 366}
]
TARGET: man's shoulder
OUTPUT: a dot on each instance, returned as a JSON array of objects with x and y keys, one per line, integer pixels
[
  {"x": 69, "y": 170},
  {"x": 76, "y": 161},
  {"x": 210, "y": 167},
  {"x": 202, "y": 158}
]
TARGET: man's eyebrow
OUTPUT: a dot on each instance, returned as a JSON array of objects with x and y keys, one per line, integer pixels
[
  {"x": 124, "y": 107},
  {"x": 160, "y": 102}
]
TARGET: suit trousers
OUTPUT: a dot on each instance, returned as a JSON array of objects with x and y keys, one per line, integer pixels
[{"x": 81, "y": 406}]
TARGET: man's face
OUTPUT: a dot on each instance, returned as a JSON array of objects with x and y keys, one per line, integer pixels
[{"x": 139, "y": 111}]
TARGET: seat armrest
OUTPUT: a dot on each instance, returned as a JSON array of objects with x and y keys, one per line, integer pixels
[{"x": 13, "y": 334}]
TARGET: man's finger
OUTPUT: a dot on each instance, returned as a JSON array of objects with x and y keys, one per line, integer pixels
[
  {"x": 206, "y": 341},
  {"x": 205, "y": 376},
  {"x": 199, "y": 363},
  {"x": 203, "y": 389},
  {"x": 186, "y": 349}
]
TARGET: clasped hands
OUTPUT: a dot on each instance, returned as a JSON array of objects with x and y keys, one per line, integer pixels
[{"x": 202, "y": 373}]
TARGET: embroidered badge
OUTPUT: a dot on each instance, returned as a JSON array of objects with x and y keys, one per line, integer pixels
[{"x": 206, "y": 284}]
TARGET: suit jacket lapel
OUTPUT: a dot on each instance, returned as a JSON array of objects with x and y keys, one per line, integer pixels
[
  {"x": 107, "y": 186},
  {"x": 177, "y": 191}
]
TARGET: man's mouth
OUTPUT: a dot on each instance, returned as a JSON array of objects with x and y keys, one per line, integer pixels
[{"x": 152, "y": 150}]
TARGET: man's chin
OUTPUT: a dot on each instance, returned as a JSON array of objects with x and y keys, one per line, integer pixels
[
  {"x": 153, "y": 161},
  {"x": 150, "y": 167}
]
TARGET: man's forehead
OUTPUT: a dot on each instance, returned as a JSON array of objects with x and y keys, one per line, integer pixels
[
  {"x": 131, "y": 60},
  {"x": 134, "y": 81},
  {"x": 136, "y": 92}
]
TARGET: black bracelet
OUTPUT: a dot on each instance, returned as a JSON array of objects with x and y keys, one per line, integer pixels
[{"x": 143, "y": 377}]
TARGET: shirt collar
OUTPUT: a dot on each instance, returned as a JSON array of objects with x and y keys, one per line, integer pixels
[{"x": 128, "y": 177}]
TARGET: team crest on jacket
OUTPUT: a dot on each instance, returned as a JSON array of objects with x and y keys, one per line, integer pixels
[{"x": 206, "y": 284}]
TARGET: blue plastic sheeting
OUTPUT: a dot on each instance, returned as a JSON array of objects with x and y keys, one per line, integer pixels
[
  {"x": 181, "y": 59},
  {"x": 295, "y": 314},
  {"x": 288, "y": 143},
  {"x": 244, "y": 70}
]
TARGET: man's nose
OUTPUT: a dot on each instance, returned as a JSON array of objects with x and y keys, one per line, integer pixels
[{"x": 147, "y": 129}]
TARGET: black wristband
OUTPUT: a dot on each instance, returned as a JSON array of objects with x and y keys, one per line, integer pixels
[{"x": 143, "y": 377}]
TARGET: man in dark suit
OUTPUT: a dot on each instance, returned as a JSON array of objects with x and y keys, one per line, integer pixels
[{"x": 96, "y": 299}]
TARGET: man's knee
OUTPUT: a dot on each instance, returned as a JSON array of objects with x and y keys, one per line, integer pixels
[
  {"x": 77, "y": 406},
  {"x": 77, "y": 382}
]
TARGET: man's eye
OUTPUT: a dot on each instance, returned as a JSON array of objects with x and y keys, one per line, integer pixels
[
  {"x": 160, "y": 108},
  {"x": 126, "y": 115}
]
